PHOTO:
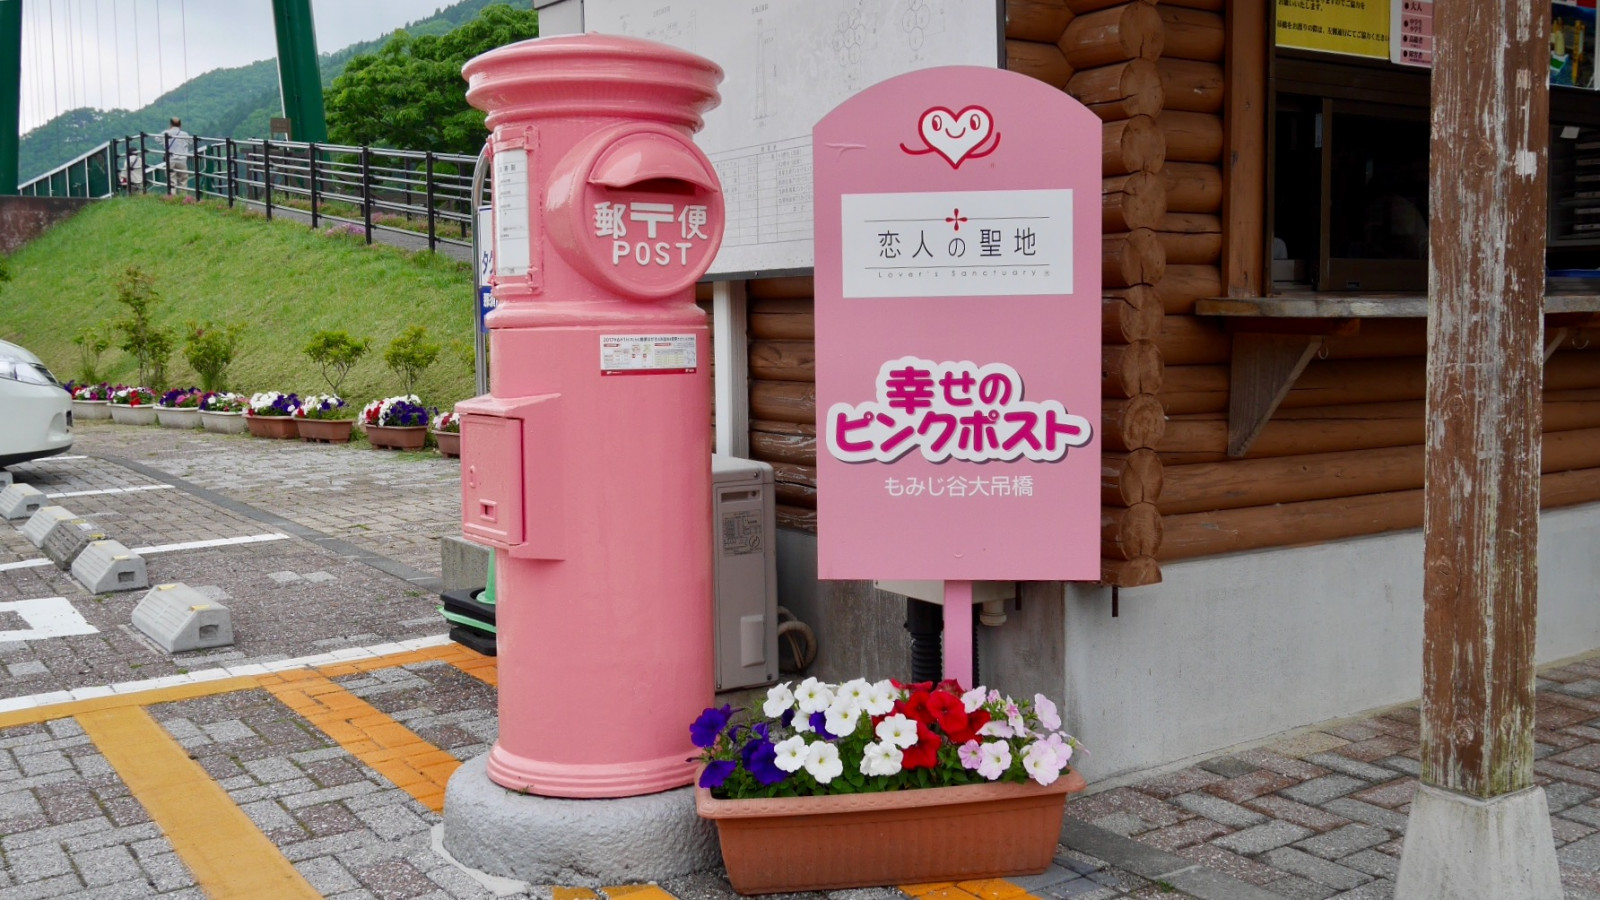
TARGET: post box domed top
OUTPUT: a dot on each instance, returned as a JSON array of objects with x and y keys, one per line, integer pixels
[{"x": 592, "y": 75}]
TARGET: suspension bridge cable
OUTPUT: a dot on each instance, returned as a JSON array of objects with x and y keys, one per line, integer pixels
[{"x": 161, "y": 66}]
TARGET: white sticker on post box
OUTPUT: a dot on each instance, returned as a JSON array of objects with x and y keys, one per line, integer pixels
[
  {"x": 513, "y": 232},
  {"x": 647, "y": 354}
]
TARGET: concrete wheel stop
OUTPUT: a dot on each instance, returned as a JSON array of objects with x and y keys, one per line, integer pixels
[
  {"x": 107, "y": 566},
  {"x": 19, "y": 501},
  {"x": 578, "y": 843},
  {"x": 42, "y": 521}
]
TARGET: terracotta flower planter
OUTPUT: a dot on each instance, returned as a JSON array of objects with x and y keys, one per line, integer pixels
[
  {"x": 903, "y": 837},
  {"x": 449, "y": 442},
  {"x": 173, "y": 417},
  {"x": 84, "y": 410},
  {"x": 276, "y": 427},
  {"x": 133, "y": 415},
  {"x": 327, "y": 431},
  {"x": 398, "y": 437},
  {"x": 222, "y": 422}
]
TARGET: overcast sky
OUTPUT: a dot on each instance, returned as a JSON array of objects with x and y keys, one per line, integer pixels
[{"x": 122, "y": 54}]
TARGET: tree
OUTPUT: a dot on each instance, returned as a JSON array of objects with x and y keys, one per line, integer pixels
[{"x": 410, "y": 94}]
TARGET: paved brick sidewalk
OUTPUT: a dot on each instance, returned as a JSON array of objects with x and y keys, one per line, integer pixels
[
  {"x": 1322, "y": 814},
  {"x": 310, "y": 758}
]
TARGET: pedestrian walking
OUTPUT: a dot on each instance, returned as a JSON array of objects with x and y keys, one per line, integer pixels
[{"x": 180, "y": 146}]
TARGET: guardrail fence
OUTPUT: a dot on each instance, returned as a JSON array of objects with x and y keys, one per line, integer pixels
[{"x": 373, "y": 189}]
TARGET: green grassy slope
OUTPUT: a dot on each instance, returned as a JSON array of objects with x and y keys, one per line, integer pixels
[{"x": 279, "y": 277}]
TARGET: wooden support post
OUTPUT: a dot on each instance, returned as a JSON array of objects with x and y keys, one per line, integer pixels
[{"x": 1478, "y": 827}]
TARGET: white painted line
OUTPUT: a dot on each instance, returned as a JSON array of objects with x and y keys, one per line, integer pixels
[
  {"x": 126, "y": 490},
  {"x": 53, "y": 459},
  {"x": 49, "y": 617},
  {"x": 25, "y": 564},
  {"x": 123, "y": 688},
  {"x": 215, "y": 542}
]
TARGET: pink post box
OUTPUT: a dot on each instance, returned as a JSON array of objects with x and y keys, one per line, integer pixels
[{"x": 587, "y": 468}]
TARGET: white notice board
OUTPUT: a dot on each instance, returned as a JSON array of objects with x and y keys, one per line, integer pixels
[{"x": 789, "y": 63}]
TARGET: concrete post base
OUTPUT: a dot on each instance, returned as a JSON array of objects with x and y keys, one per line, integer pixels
[
  {"x": 574, "y": 843},
  {"x": 1469, "y": 849}
]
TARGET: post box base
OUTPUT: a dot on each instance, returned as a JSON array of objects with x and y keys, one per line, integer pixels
[
  {"x": 577, "y": 843},
  {"x": 629, "y": 779}
]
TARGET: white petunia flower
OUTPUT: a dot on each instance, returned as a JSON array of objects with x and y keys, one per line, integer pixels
[
  {"x": 823, "y": 762},
  {"x": 971, "y": 700},
  {"x": 994, "y": 758},
  {"x": 791, "y": 754},
  {"x": 1046, "y": 712},
  {"x": 779, "y": 700},
  {"x": 897, "y": 730},
  {"x": 879, "y": 699},
  {"x": 813, "y": 696},
  {"x": 853, "y": 691},
  {"x": 842, "y": 717},
  {"x": 1041, "y": 762},
  {"x": 881, "y": 758},
  {"x": 996, "y": 728}
]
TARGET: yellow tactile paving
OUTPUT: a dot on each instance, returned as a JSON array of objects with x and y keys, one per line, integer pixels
[
  {"x": 636, "y": 892},
  {"x": 226, "y": 852},
  {"x": 393, "y": 750},
  {"x": 992, "y": 889},
  {"x": 563, "y": 893},
  {"x": 37, "y": 714},
  {"x": 941, "y": 892}
]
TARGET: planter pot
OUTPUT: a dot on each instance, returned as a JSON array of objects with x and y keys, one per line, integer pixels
[
  {"x": 90, "y": 409},
  {"x": 222, "y": 422},
  {"x": 327, "y": 431},
  {"x": 449, "y": 442},
  {"x": 172, "y": 417},
  {"x": 902, "y": 837},
  {"x": 398, "y": 437},
  {"x": 133, "y": 415},
  {"x": 276, "y": 427}
]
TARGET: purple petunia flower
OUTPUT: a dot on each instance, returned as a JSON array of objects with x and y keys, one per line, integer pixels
[
  {"x": 705, "y": 730},
  {"x": 818, "y": 722},
  {"x": 761, "y": 761},
  {"x": 716, "y": 772}
]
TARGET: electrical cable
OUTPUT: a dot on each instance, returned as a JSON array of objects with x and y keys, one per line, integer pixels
[
  {"x": 161, "y": 66},
  {"x": 55, "y": 83},
  {"x": 138, "y": 77},
  {"x": 183, "y": 18}
]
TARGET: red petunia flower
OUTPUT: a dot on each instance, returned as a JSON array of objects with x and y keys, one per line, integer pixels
[{"x": 925, "y": 753}]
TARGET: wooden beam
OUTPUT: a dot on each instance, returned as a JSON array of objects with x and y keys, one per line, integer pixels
[
  {"x": 1265, "y": 366},
  {"x": 1487, "y": 185},
  {"x": 1244, "y": 117}
]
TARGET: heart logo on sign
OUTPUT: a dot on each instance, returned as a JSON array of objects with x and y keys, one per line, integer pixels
[{"x": 956, "y": 136}]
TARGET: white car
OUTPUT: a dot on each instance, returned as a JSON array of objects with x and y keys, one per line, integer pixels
[{"x": 35, "y": 410}]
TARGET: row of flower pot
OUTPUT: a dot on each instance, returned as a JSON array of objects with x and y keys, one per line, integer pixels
[{"x": 399, "y": 423}]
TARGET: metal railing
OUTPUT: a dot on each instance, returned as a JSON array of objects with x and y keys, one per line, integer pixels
[{"x": 373, "y": 189}]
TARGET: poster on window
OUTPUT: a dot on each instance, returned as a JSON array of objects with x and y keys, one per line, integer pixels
[
  {"x": 1351, "y": 27},
  {"x": 1572, "y": 40}
]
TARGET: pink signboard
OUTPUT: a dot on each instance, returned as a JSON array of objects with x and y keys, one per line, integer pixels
[{"x": 958, "y": 331}]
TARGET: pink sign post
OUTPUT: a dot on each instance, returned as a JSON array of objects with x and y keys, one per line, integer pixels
[{"x": 958, "y": 336}]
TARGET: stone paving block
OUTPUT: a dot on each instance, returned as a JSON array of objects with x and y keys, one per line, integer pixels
[
  {"x": 1378, "y": 865},
  {"x": 1293, "y": 887},
  {"x": 1184, "y": 834},
  {"x": 1183, "y": 781},
  {"x": 1357, "y": 811},
  {"x": 1321, "y": 871},
  {"x": 327, "y": 875},
  {"x": 1584, "y": 813},
  {"x": 1227, "y": 766},
  {"x": 1582, "y": 854},
  {"x": 1261, "y": 838},
  {"x": 1342, "y": 842},
  {"x": 1319, "y": 791},
  {"x": 1353, "y": 767},
  {"x": 284, "y": 578},
  {"x": 43, "y": 519},
  {"x": 1404, "y": 764},
  {"x": 37, "y": 863},
  {"x": 1123, "y": 823},
  {"x": 1390, "y": 795},
  {"x": 1382, "y": 890},
  {"x": 107, "y": 566},
  {"x": 1246, "y": 787},
  {"x": 1566, "y": 831},
  {"x": 19, "y": 501},
  {"x": 320, "y": 577},
  {"x": 393, "y": 822},
  {"x": 1297, "y": 769},
  {"x": 107, "y": 866},
  {"x": 1218, "y": 810}
]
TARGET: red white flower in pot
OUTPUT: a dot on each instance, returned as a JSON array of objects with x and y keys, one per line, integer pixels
[
  {"x": 399, "y": 423},
  {"x": 818, "y": 789}
]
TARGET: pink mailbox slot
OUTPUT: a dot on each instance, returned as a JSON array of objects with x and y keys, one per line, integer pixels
[
  {"x": 636, "y": 208},
  {"x": 588, "y": 468}
]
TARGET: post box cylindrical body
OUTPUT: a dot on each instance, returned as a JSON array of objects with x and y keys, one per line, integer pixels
[{"x": 588, "y": 465}]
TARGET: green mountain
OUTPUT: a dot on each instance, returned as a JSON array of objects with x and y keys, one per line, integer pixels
[{"x": 235, "y": 102}]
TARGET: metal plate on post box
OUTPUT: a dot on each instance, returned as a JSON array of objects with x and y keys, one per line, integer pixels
[
  {"x": 19, "y": 501},
  {"x": 180, "y": 618},
  {"x": 512, "y": 474},
  {"x": 65, "y": 541},
  {"x": 40, "y": 523},
  {"x": 106, "y": 566}
]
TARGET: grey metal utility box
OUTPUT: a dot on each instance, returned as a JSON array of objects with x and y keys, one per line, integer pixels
[{"x": 745, "y": 572}]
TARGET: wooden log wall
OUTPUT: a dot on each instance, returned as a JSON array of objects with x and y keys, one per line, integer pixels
[{"x": 1340, "y": 458}]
